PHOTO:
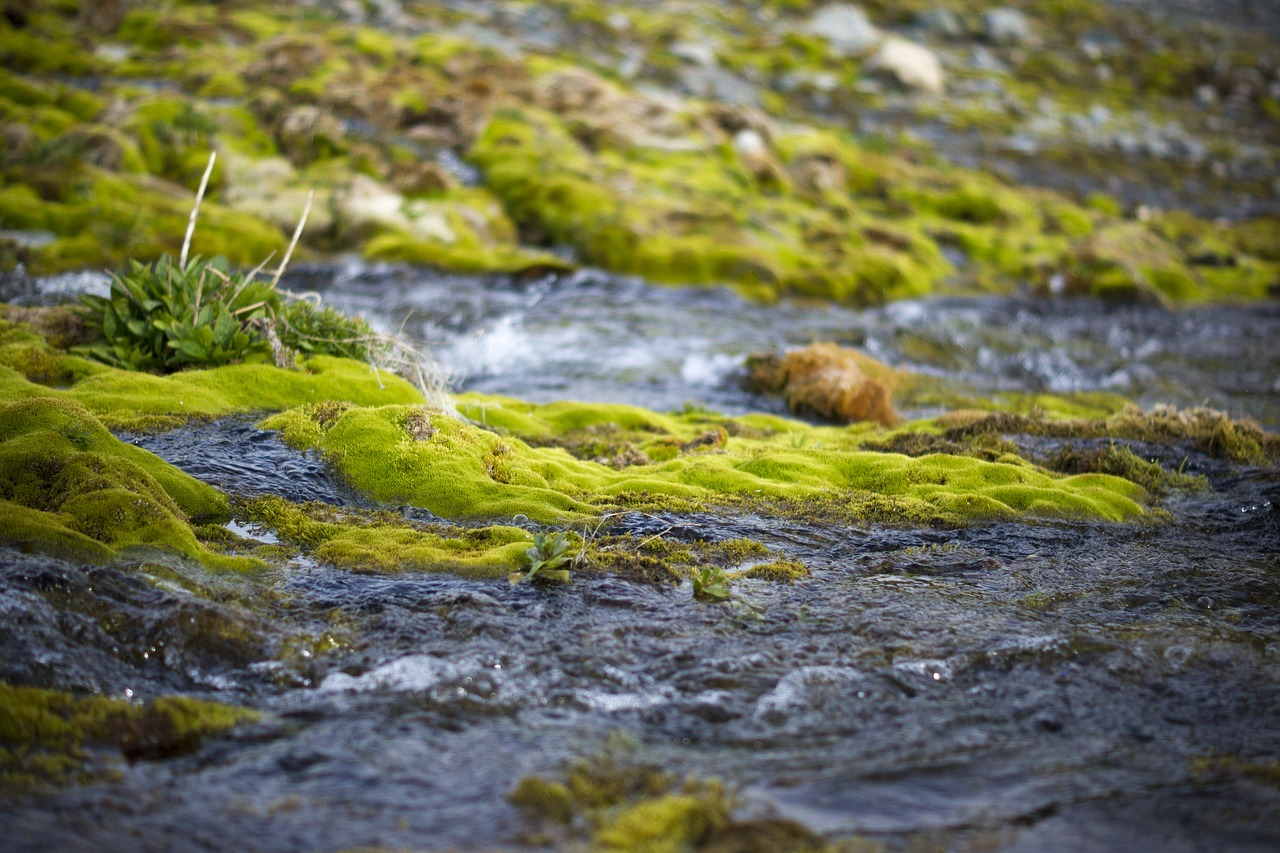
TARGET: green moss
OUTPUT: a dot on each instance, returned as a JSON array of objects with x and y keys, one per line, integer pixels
[
  {"x": 468, "y": 256},
  {"x": 465, "y": 472},
  {"x": 125, "y": 399},
  {"x": 46, "y": 735},
  {"x": 68, "y": 485},
  {"x": 106, "y": 218},
  {"x": 1215, "y": 767},
  {"x": 692, "y": 216},
  {"x": 1209, "y": 430},
  {"x": 1120, "y": 461},
  {"x": 628, "y": 806},
  {"x": 667, "y": 824},
  {"x": 782, "y": 571}
]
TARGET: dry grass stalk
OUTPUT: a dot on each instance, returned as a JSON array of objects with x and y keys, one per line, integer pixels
[{"x": 195, "y": 210}]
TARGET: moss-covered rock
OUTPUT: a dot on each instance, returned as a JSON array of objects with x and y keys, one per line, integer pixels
[{"x": 384, "y": 542}]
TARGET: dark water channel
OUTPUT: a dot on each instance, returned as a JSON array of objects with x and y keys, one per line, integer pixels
[{"x": 1030, "y": 687}]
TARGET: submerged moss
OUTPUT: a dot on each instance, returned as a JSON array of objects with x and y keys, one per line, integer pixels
[
  {"x": 613, "y": 804},
  {"x": 385, "y": 542},
  {"x": 47, "y": 737}
]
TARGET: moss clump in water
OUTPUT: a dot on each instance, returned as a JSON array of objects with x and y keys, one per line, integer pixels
[
  {"x": 386, "y": 542},
  {"x": 1121, "y": 461},
  {"x": 613, "y": 805},
  {"x": 1208, "y": 430},
  {"x": 837, "y": 384},
  {"x": 463, "y": 471},
  {"x": 49, "y": 737},
  {"x": 68, "y": 485}
]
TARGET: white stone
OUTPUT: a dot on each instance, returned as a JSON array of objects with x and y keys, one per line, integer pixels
[
  {"x": 749, "y": 143},
  {"x": 910, "y": 64}
]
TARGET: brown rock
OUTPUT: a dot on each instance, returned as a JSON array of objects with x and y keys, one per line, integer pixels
[{"x": 828, "y": 381}]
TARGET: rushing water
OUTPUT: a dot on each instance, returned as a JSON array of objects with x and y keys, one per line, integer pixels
[
  {"x": 602, "y": 338},
  {"x": 1054, "y": 686}
]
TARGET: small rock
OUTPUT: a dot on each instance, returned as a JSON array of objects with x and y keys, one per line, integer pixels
[
  {"x": 984, "y": 60},
  {"x": 720, "y": 85},
  {"x": 1097, "y": 44},
  {"x": 845, "y": 27},
  {"x": 831, "y": 382},
  {"x": 940, "y": 22},
  {"x": 1006, "y": 26},
  {"x": 910, "y": 65},
  {"x": 695, "y": 53}
]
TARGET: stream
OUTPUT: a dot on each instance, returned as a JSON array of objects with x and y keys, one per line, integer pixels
[{"x": 1049, "y": 686}]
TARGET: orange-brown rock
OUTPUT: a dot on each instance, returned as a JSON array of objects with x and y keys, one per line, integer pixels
[{"x": 828, "y": 381}]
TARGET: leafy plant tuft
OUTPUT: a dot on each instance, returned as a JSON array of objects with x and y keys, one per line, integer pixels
[
  {"x": 161, "y": 317},
  {"x": 711, "y": 584},
  {"x": 547, "y": 554}
]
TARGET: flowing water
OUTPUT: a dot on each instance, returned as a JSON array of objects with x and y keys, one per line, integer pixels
[{"x": 1038, "y": 687}]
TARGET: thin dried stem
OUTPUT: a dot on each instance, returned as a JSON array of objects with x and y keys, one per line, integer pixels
[
  {"x": 195, "y": 210},
  {"x": 297, "y": 233}
]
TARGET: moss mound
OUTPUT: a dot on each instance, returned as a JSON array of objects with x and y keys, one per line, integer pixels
[
  {"x": 128, "y": 400},
  {"x": 464, "y": 471},
  {"x": 68, "y": 485},
  {"x": 385, "y": 542}
]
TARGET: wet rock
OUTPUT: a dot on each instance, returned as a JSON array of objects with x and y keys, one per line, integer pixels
[
  {"x": 828, "y": 381},
  {"x": 845, "y": 27},
  {"x": 1097, "y": 44},
  {"x": 1006, "y": 26},
  {"x": 910, "y": 65},
  {"x": 941, "y": 22},
  {"x": 719, "y": 84}
]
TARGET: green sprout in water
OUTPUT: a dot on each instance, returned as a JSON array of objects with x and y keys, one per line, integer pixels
[
  {"x": 547, "y": 554},
  {"x": 711, "y": 584}
]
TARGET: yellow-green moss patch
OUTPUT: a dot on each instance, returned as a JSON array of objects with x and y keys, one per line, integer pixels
[
  {"x": 462, "y": 471},
  {"x": 68, "y": 485}
]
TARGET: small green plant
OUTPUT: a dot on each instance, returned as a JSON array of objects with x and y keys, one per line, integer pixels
[
  {"x": 312, "y": 330},
  {"x": 546, "y": 556},
  {"x": 711, "y": 584},
  {"x": 163, "y": 317}
]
